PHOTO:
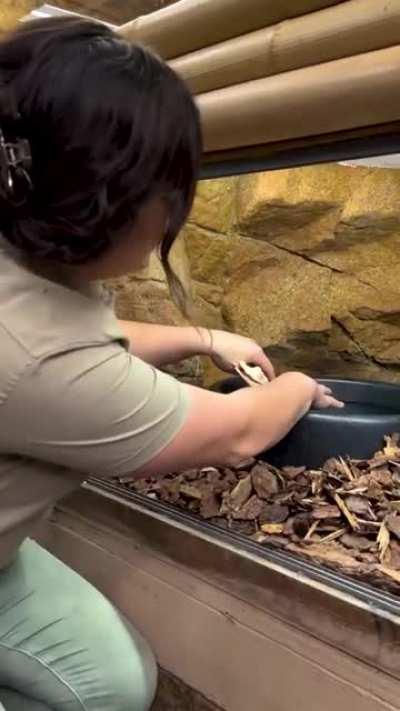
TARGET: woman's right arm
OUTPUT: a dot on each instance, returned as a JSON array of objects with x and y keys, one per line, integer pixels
[
  {"x": 227, "y": 429},
  {"x": 99, "y": 410}
]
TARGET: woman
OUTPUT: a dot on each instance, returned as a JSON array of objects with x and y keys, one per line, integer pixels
[{"x": 99, "y": 154}]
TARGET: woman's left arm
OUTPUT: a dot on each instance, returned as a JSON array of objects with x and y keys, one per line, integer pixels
[{"x": 161, "y": 345}]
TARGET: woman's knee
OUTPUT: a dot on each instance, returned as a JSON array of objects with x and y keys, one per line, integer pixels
[
  {"x": 11, "y": 700},
  {"x": 126, "y": 664},
  {"x": 138, "y": 695},
  {"x": 126, "y": 667},
  {"x": 75, "y": 637}
]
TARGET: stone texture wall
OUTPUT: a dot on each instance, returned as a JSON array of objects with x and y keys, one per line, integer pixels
[
  {"x": 12, "y": 10},
  {"x": 306, "y": 261}
]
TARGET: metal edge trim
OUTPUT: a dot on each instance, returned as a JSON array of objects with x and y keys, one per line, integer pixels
[{"x": 362, "y": 595}]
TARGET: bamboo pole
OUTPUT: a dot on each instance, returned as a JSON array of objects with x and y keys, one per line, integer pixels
[
  {"x": 192, "y": 24},
  {"x": 335, "y": 96}
]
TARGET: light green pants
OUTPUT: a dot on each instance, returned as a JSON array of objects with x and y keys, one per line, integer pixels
[{"x": 63, "y": 646}]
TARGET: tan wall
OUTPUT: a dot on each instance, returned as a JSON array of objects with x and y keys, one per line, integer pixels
[{"x": 307, "y": 261}]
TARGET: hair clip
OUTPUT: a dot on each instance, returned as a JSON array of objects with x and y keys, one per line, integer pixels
[{"x": 15, "y": 162}]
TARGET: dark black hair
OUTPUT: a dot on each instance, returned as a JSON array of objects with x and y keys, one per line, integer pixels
[{"x": 109, "y": 125}]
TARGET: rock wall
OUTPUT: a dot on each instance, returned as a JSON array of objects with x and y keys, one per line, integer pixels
[
  {"x": 306, "y": 261},
  {"x": 12, "y": 10}
]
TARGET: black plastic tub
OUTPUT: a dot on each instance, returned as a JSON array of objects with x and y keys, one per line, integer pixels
[{"x": 372, "y": 411}]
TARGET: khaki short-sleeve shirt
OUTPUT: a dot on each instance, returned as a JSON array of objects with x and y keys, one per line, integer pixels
[{"x": 73, "y": 400}]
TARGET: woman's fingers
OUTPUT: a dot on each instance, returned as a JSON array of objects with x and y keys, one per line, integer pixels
[
  {"x": 264, "y": 363},
  {"x": 336, "y": 403},
  {"x": 325, "y": 398},
  {"x": 326, "y": 390},
  {"x": 329, "y": 401}
]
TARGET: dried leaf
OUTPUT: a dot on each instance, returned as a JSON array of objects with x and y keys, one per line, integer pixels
[
  {"x": 213, "y": 477},
  {"x": 293, "y": 472},
  {"x": 311, "y": 530},
  {"x": 250, "y": 510},
  {"x": 170, "y": 489},
  {"x": 394, "y": 555},
  {"x": 272, "y": 528},
  {"x": 273, "y": 513},
  {"x": 346, "y": 469},
  {"x": 265, "y": 482},
  {"x": 394, "y": 574},
  {"x": 383, "y": 540},
  {"x": 209, "y": 507},
  {"x": 193, "y": 473},
  {"x": 375, "y": 491},
  {"x": 367, "y": 557},
  {"x": 391, "y": 448},
  {"x": 393, "y": 524},
  {"x": 317, "y": 480},
  {"x": 332, "y": 536},
  {"x": 326, "y": 511},
  {"x": 383, "y": 476},
  {"x": 352, "y": 521},
  {"x": 359, "y": 543},
  {"x": 239, "y": 494},
  {"x": 331, "y": 553},
  {"x": 191, "y": 491},
  {"x": 379, "y": 462},
  {"x": 368, "y": 524},
  {"x": 301, "y": 524},
  {"x": 358, "y": 505},
  {"x": 331, "y": 466},
  {"x": 348, "y": 490},
  {"x": 227, "y": 481}
]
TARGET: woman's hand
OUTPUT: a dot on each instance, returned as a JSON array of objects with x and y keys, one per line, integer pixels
[
  {"x": 228, "y": 349},
  {"x": 324, "y": 398}
]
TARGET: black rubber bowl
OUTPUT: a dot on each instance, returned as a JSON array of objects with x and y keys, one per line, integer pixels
[{"x": 372, "y": 411}]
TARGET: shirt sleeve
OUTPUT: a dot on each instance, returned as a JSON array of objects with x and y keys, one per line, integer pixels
[{"x": 98, "y": 410}]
